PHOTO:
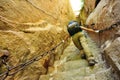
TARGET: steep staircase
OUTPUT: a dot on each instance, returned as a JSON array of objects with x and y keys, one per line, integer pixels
[{"x": 71, "y": 67}]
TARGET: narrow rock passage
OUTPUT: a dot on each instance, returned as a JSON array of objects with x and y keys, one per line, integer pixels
[{"x": 72, "y": 67}]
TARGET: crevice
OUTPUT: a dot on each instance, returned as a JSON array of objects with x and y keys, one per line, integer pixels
[
  {"x": 97, "y": 2},
  {"x": 41, "y": 10}
]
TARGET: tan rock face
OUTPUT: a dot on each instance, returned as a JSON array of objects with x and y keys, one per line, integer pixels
[
  {"x": 112, "y": 53},
  {"x": 15, "y": 12},
  {"x": 104, "y": 15},
  {"x": 89, "y": 6},
  {"x": 29, "y": 28}
]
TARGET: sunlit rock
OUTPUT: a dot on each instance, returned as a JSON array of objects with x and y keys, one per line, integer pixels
[
  {"x": 29, "y": 28},
  {"x": 104, "y": 16}
]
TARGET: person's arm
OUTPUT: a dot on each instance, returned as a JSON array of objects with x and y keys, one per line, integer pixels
[{"x": 88, "y": 29}]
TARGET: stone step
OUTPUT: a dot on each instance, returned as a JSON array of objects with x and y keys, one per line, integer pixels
[
  {"x": 72, "y": 61},
  {"x": 70, "y": 56},
  {"x": 61, "y": 65},
  {"x": 91, "y": 77},
  {"x": 104, "y": 75},
  {"x": 83, "y": 71},
  {"x": 98, "y": 57},
  {"x": 100, "y": 75},
  {"x": 71, "y": 65},
  {"x": 72, "y": 53},
  {"x": 98, "y": 67},
  {"x": 86, "y": 70}
]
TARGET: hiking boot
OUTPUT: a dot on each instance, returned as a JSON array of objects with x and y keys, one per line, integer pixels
[
  {"x": 83, "y": 56},
  {"x": 91, "y": 62}
]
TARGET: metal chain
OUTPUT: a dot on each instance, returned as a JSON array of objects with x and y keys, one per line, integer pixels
[
  {"x": 114, "y": 25},
  {"x": 20, "y": 67},
  {"x": 7, "y": 72}
]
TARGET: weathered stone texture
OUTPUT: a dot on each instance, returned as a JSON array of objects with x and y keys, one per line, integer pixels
[
  {"x": 105, "y": 14},
  {"x": 88, "y": 8},
  {"x": 29, "y": 28},
  {"x": 112, "y": 54},
  {"x": 18, "y": 13}
]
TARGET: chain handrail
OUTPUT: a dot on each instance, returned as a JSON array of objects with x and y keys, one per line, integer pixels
[
  {"x": 20, "y": 67},
  {"x": 38, "y": 57},
  {"x": 114, "y": 25}
]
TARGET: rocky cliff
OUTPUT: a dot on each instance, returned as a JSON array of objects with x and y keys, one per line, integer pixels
[
  {"x": 103, "y": 17},
  {"x": 29, "y": 28},
  {"x": 106, "y": 17}
]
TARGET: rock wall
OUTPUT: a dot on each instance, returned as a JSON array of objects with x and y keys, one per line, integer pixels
[
  {"x": 88, "y": 7},
  {"x": 112, "y": 53},
  {"x": 106, "y": 17},
  {"x": 29, "y": 28},
  {"x": 16, "y": 13},
  {"x": 105, "y": 14}
]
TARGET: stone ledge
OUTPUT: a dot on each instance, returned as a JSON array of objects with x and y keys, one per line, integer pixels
[{"x": 112, "y": 55}]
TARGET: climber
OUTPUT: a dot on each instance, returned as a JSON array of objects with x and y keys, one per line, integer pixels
[{"x": 80, "y": 41}]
